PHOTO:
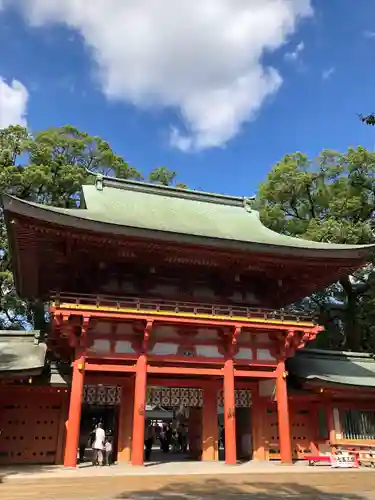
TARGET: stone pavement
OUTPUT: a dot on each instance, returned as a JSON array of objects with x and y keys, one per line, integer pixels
[
  {"x": 170, "y": 469},
  {"x": 318, "y": 485}
]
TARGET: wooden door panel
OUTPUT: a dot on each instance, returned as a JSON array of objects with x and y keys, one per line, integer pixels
[{"x": 29, "y": 430}]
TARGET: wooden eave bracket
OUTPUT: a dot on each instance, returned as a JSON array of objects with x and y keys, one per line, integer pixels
[
  {"x": 84, "y": 328},
  {"x": 235, "y": 334},
  {"x": 295, "y": 339},
  {"x": 233, "y": 339},
  {"x": 146, "y": 335}
]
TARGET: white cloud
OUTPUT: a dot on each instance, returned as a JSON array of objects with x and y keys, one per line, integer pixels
[
  {"x": 202, "y": 58},
  {"x": 327, "y": 73},
  {"x": 369, "y": 34},
  {"x": 294, "y": 54},
  {"x": 13, "y": 103}
]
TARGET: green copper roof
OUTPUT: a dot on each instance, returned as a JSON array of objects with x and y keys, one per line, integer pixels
[
  {"x": 342, "y": 368},
  {"x": 171, "y": 214},
  {"x": 21, "y": 353}
]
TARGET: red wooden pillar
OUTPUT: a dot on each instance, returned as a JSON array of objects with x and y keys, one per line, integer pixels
[
  {"x": 75, "y": 409},
  {"x": 283, "y": 415},
  {"x": 229, "y": 413},
  {"x": 140, "y": 388},
  {"x": 139, "y": 411}
]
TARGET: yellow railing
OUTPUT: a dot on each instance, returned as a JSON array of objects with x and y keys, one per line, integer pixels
[{"x": 160, "y": 306}]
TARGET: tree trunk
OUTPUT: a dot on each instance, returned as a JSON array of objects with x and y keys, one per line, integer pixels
[{"x": 353, "y": 336}]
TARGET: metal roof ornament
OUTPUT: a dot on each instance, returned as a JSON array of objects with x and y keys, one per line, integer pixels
[
  {"x": 99, "y": 182},
  {"x": 248, "y": 203}
]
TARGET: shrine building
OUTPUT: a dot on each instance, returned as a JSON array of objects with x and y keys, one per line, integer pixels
[{"x": 172, "y": 301}]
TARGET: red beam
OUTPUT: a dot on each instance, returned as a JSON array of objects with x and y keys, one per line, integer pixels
[
  {"x": 176, "y": 370},
  {"x": 173, "y": 370},
  {"x": 254, "y": 374},
  {"x": 96, "y": 367},
  {"x": 93, "y": 378},
  {"x": 182, "y": 382}
]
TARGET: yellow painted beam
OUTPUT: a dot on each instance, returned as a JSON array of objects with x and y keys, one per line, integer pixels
[{"x": 125, "y": 310}]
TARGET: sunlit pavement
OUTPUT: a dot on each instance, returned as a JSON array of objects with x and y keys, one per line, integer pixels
[{"x": 315, "y": 485}]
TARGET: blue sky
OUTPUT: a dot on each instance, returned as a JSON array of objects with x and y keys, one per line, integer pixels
[{"x": 87, "y": 71}]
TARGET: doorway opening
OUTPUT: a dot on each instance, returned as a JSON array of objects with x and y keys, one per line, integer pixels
[
  {"x": 173, "y": 424},
  {"x": 100, "y": 405},
  {"x": 244, "y": 438},
  {"x": 244, "y": 441}
]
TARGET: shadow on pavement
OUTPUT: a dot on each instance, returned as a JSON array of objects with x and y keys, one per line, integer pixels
[
  {"x": 7, "y": 471},
  {"x": 342, "y": 486},
  {"x": 261, "y": 490}
]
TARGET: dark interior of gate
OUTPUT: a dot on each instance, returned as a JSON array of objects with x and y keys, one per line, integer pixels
[{"x": 183, "y": 428}]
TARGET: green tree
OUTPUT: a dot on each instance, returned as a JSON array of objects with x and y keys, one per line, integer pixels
[
  {"x": 50, "y": 167},
  {"x": 368, "y": 119},
  {"x": 328, "y": 199},
  {"x": 165, "y": 177}
]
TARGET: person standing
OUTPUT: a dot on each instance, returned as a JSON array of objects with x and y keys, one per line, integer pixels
[
  {"x": 98, "y": 445},
  {"x": 108, "y": 451}
]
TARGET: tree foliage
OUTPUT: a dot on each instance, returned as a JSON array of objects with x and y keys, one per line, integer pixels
[
  {"x": 368, "y": 119},
  {"x": 329, "y": 199},
  {"x": 50, "y": 167}
]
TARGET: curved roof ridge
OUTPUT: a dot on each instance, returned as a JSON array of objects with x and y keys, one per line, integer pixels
[{"x": 103, "y": 181}]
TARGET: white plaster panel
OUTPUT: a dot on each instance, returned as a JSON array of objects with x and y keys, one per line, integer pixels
[
  {"x": 264, "y": 355},
  {"x": 163, "y": 348},
  {"x": 124, "y": 347},
  {"x": 102, "y": 328},
  {"x": 206, "y": 334},
  {"x": 165, "y": 332},
  {"x": 101, "y": 345},
  {"x": 266, "y": 388},
  {"x": 244, "y": 353},
  {"x": 124, "y": 329},
  {"x": 208, "y": 351}
]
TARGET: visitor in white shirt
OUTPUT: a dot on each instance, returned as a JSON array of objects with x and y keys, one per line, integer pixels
[{"x": 98, "y": 445}]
